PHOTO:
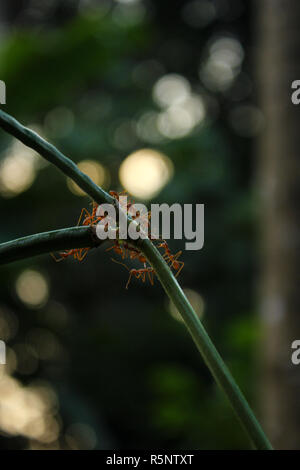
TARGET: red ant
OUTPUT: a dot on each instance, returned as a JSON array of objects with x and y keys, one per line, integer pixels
[
  {"x": 172, "y": 259},
  {"x": 118, "y": 250},
  {"x": 90, "y": 219},
  {"x": 78, "y": 253},
  {"x": 138, "y": 273},
  {"x": 126, "y": 250},
  {"x": 137, "y": 254},
  {"x": 130, "y": 204},
  {"x": 117, "y": 195}
]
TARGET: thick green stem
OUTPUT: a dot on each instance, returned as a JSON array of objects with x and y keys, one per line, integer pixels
[
  {"x": 56, "y": 240},
  {"x": 171, "y": 286}
]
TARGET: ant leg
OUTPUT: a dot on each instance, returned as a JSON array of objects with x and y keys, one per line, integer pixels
[
  {"x": 129, "y": 279},
  {"x": 123, "y": 252},
  {"x": 63, "y": 254},
  {"x": 83, "y": 212},
  {"x": 179, "y": 253},
  {"x": 57, "y": 259},
  {"x": 151, "y": 276},
  {"x": 86, "y": 213},
  {"x": 98, "y": 219},
  {"x": 94, "y": 218},
  {"x": 82, "y": 253},
  {"x": 110, "y": 248},
  {"x": 75, "y": 253},
  {"x": 175, "y": 259},
  {"x": 179, "y": 270},
  {"x": 142, "y": 275},
  {"x": 169, "y": 261},
  {"x": 145, "y": 272}
]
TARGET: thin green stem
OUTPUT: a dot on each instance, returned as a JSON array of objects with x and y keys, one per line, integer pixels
[
  {"x": 50, "y": 153},
  {"x": 207, "y": 349},
  {"x": 169, "y": 283},
  {"x": 39, "y": 243}
]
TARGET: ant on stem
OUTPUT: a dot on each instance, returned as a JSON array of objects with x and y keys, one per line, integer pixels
[
  {"x": 172, "y": 259},
  {"x": 138, "y": 273},
  {"x": 78, "y": 253}
]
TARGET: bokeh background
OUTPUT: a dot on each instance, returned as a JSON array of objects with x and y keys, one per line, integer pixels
[{"x": 175, "y": 101}]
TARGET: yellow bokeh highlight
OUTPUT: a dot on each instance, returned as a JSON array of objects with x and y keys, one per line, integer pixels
[
  {"x": 26, "y": 411},
  {"x": 94, "y": 170},
  {"x": 32, "y": 288},
  {"x": 17, "y": 173},
  {"x": 196, "y": 301},
  {"x": 145, "y": 172}
]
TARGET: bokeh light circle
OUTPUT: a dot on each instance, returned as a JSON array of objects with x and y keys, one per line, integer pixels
[{"x": 145, "y": 172}]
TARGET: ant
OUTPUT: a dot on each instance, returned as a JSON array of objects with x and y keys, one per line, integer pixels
[
  {"x": 118, "y": 249},
  {"x": 137, "y": 254},
  {"x": 123, "y": 249},
  {"x": 90, "y": 219},
  {"x": 172, "y": 259},
  {"x": 138, "y": 273},
  {"x": 130, "y": 205},
  {"x": 78, "y": 253},
  {"x": 117, "y": 195}
]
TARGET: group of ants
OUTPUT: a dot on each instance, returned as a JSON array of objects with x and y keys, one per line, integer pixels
[{"x": 122, "y": 248}]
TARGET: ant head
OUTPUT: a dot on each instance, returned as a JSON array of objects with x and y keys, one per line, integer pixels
[{"x": 114, "y": 194}]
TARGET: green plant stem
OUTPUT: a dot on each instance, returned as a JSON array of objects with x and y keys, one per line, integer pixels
[
  {"x": 50, "y": 153},
  {"x": 207, "y": 349},
  {"x": 56, "y": 240},
  {"x": 169, "y": 283}
]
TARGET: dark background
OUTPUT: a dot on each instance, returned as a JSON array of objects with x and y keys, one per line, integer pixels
[{"x": 91, "y": 365}]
